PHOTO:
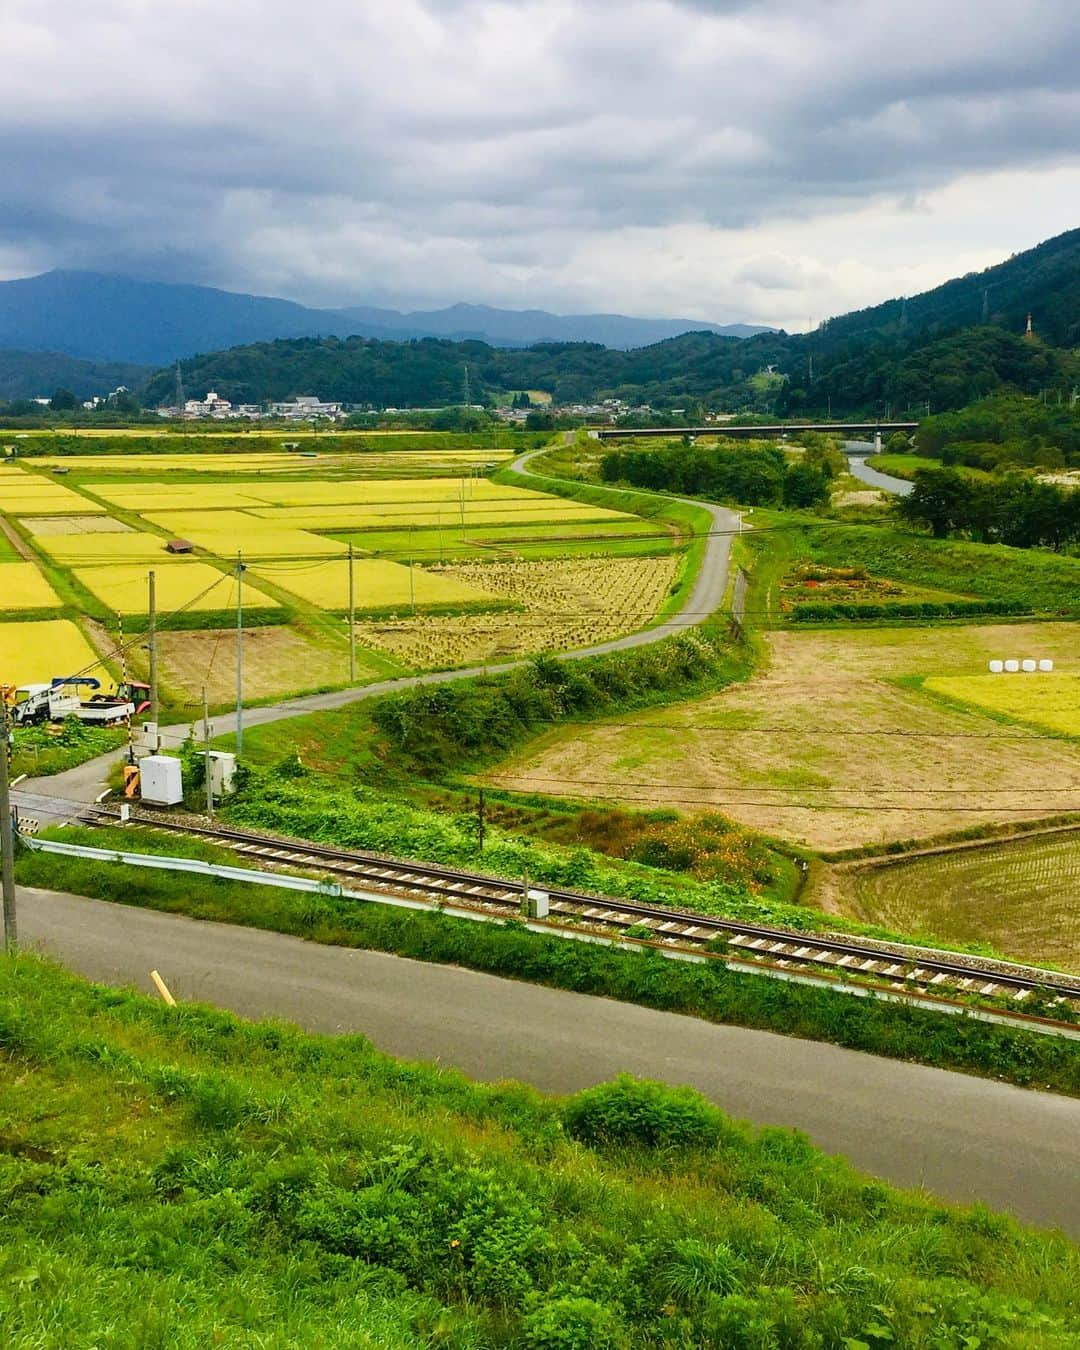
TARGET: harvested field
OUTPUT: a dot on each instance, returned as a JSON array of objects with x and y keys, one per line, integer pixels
[
  {"x": 46, "y": 527},
  {"x": 830, "y": 746},
  {"x": 380, "y": 584},
  {"x": 34, "y": 653},
  {"x": 1022, "y": 896},
  {"x": 567, "y": 604},
  {"x": 22, "y": 586},
  {"x": 278, "y": 662},
  {"x": 1042, "y": 699},
  {"x": 122, "y": 587}
]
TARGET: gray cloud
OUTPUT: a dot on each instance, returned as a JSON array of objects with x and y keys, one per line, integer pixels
[{"x": 519, "y": 152}]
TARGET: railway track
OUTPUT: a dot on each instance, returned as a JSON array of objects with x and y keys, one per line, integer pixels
[{"x": 897, "y": 967}]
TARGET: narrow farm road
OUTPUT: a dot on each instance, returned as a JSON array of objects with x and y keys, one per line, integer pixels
[
  {"x": 53, "y": 798},
  {"x": 964, "y": 1139}
]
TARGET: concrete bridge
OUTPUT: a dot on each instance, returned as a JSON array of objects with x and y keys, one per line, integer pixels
[{"x": 868, "y": 430}]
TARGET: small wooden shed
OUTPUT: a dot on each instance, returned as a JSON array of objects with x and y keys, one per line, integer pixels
[{"x": 179, "y": 546}]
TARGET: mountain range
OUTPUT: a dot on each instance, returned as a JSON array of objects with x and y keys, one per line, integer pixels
[{"x": 98, "y": 317}]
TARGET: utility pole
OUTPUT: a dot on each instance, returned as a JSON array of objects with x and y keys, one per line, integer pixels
[
  {"x": 206, "y": 755},
  {"x": 7, "y": 837},
  {"x": 155, "y": 740},
  {"x": 239, "y": 654},
  {"x": 127, "y": 692},
  {"x": 352, "y": 619},
  {"x": 480, "y": 819}
]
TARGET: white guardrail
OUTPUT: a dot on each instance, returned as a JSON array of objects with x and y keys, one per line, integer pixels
[{"x": 313, "y": 886}]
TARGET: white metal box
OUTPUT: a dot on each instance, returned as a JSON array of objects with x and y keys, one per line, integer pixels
[
  {"x": 161, "y": 780},
  {"x": 222, "y": 773}
]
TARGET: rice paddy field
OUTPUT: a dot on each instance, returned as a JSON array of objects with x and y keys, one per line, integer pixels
[
  {"x": 379, "y": 585},
  {"x": 1042, "y": 699},
  {"x": 34, "y": 652},
  {"x": 449, "y": 566},
  {"x": 566, "y": 604},
  {"x": 122, "y": 588},
  {"x": 1020, "y": 895},
  {"x": 22, "y": 587}
]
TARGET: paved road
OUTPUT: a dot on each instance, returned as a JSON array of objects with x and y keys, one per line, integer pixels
[
  {"x": 36, "y": 796},
  {"x": 963, "y": 1138},
  {"x": 857, "y": 451}
]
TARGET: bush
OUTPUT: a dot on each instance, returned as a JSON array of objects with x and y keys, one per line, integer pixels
[
  {"x": 632, "y": 1111},
  {"x": 573, "y": 1324}
]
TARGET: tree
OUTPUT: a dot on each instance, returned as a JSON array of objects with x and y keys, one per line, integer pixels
[
  {"x": 941, "y": 499},
  {"x": 805, "y": 485},
  {"x": 63, "y": 400}
]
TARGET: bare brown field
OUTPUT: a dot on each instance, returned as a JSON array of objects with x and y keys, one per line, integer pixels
[
  {"x": 278, "y": 661},
  {"x": 828, "y": 746}
]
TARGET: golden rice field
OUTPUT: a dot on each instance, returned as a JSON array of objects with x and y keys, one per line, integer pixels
[
  {"x": 396, "y": 517},
  {"x": 34, "y": 653},
  {"x": 179, "y": 584},
  {"x": 39, "y": 497},
  {"x": 245, "y": 461},
  {"x": 1040, "y": 698},
  {"x": 307, "y": 495},
  {"x": 225, "y": 533},
  {"x": 22, "y": 586},
  {"x": 379, "y": 584},
  {"x": 73, "y": 550},
  {"x": 568, "y": 604}
]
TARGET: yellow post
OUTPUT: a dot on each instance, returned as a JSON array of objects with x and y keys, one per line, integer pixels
[{"x": 163, "y": 989}]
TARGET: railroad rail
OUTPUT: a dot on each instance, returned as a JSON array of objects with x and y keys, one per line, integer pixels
[{"x": 898, "y": 967}]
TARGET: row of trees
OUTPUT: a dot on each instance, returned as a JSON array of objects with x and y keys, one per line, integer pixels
[
  {"x": 1003, "y": 431},
  {"x": 1016, "y": 510},
  {"x": 752, "y": 475}
]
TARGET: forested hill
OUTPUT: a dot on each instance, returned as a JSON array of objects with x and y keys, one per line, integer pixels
[
  {"x": 951, "y": 345},
  {"x": 1043, "y": 281}
]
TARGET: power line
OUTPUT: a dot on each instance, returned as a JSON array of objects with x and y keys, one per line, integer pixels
[{"x": 885, "y": 788}]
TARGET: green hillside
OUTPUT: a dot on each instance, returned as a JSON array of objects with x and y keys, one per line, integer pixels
[{"x": 175, "y": 1177}]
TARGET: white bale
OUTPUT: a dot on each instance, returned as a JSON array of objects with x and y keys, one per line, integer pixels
[
  {"x": 1028, "y": 665},
  {"x": 1012, "y": 665},
  {"x": 1046, "y": 664},
  {"x": 996, "y": 667}
]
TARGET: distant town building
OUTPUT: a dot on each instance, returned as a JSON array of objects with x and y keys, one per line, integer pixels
[{"x": 299, "y": 409}]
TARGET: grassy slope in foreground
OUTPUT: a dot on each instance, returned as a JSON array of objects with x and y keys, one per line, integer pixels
[{"x": 178, "y": 1177}]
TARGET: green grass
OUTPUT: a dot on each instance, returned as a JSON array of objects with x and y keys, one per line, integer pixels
[
  {"x": 54, "y": 749},
  {"x": 907, "y": 466},
  {"x": 1020, "y": 895},
  {"x": 179, "y": 1178},
  {"x": 1024, "y": 579}
]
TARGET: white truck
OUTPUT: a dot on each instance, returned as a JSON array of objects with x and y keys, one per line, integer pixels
[{"x": 61, "y": 699}]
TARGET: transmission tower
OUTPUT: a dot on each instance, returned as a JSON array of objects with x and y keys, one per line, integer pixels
[
  {"x": 465, "y": 390},
  {"x": 180, "y": 400}
]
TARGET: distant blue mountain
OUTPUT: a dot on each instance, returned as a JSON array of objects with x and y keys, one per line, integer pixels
[{"x": 98, "y": 317}]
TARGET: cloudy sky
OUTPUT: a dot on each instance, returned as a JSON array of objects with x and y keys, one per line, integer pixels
[{"x": 765, "y": 160}]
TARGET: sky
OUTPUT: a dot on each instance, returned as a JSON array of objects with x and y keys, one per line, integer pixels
[{"x": 768, "y": 161}]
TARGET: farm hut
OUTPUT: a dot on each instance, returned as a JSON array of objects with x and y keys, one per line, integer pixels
[{"x": 179, "y": 546}]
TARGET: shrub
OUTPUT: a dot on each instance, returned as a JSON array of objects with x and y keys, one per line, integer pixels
[
  {"x": 632, "y": 1112},
  {"x": 573, "y": 1324}
]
